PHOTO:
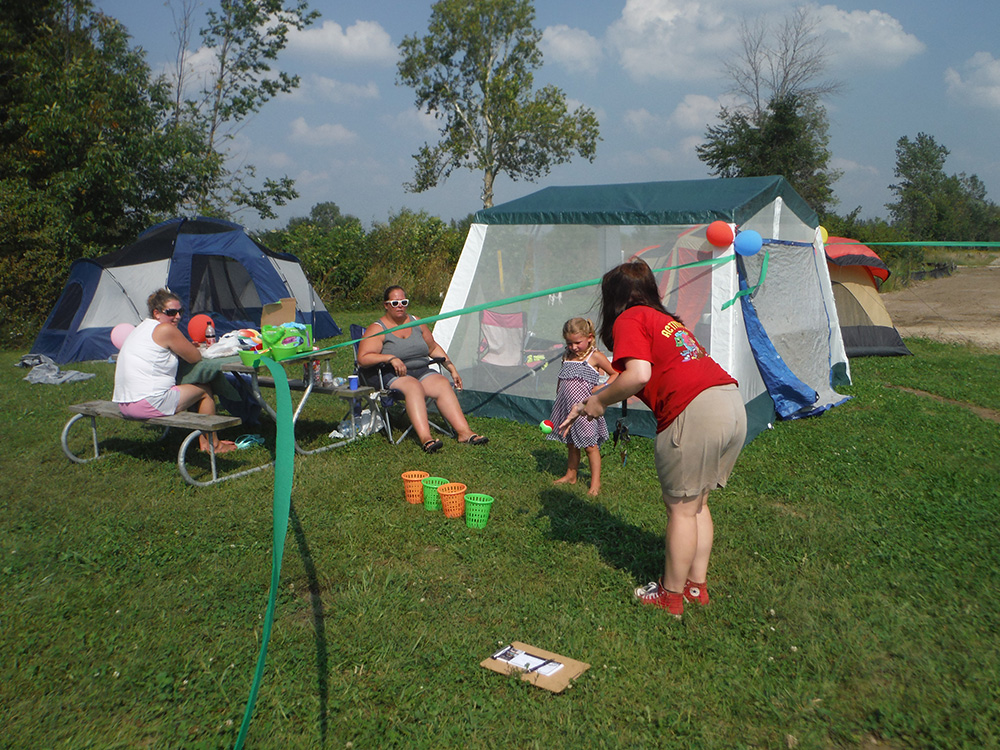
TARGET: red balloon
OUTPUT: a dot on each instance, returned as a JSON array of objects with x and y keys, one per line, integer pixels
[
  {"x": 197, "y": 326},
  {"x": 720, "y": 234}
]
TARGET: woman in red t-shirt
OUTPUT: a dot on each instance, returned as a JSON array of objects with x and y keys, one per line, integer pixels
[{"x": 700, "y": 421}]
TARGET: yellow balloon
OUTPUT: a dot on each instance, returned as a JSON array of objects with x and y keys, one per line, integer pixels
[{"x": 824, "y": 235}]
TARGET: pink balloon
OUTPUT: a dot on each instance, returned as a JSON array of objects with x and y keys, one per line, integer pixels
[{"x": 120, "y": 332}]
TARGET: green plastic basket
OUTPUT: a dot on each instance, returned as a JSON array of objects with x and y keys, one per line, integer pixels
[
  {"x": 432, "y": 500},
  {"x": 477, "y": 510}
]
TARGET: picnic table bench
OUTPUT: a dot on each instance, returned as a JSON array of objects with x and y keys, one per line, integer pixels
[{"x": 196, "y": 423}]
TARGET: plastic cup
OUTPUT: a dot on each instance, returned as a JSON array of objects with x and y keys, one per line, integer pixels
[
  {"x": 413, "y": 490},
  {"x": 452, "y": 499},
  {"x": 477, "y": 510},
  {"x": 352, "y": 382},
  {"x": 432, "y": 500}
]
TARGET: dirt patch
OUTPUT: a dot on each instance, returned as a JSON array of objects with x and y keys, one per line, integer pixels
[{"x": 961, "y": 308}]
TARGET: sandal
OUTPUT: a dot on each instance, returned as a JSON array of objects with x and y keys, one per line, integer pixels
[
  {"x": 475, "y": 439},
  {"x": 432, "y": 446},
  {"x": 249, "y": 441}
]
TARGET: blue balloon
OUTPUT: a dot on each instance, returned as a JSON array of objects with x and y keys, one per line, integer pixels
[{"x": 748, "y": 242}]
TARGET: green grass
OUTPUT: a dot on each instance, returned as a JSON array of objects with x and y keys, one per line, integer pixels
[{"x": 853, "y": 584}]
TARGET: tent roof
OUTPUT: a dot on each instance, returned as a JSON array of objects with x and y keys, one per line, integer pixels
[
  {"x": 157, "y": 242},
  {"x": 846, "y": 252},
  {"x": 680, "y": 202}
]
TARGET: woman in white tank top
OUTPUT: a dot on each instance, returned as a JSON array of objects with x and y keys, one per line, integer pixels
[{"x": 146, "y": 370}]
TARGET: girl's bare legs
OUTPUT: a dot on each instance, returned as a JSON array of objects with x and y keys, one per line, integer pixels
[
  {"x": 594, "y": 458},
  {"x": 572, "y": 466},
  {"x": 687, "y": 553},
  {"x": 416, "y": 406}
]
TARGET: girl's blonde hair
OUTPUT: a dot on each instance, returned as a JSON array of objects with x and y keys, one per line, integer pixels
[{"x": 580, "y": 327}]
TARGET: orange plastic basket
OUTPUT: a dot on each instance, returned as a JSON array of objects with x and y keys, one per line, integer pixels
[
  {"x": 452, "y": 499},
  {"x": 413, "y": 488}
]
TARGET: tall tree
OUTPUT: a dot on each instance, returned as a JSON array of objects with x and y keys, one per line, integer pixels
[
  {"x": 88, "y": 155},
  {"x": 932, "y": 205},
  {"x": 245, "y": 37},
  {"x": 779, "y": 125},
  {"x": 787, "y": 139},
  {"x": 473, "y": 72}
]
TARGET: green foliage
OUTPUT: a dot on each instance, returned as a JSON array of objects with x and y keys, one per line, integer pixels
[
  {"x": 88, "y": 154},
  {"x": 931, "y": 205},
  {"x": 348, "y": 265},
  {"x": 789, "y": 138},
  {"x": 473, "y": 71},
  {"x": 416, "y": 251},
  {"x": 852, "y": 586}
]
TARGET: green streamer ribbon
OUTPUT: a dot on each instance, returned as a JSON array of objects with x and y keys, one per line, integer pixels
[
  {"x": 284, "y": 466},
  {"x": 755, "y": 287}
]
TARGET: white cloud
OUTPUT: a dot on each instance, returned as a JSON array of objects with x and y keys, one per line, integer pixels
[
  {"x": 573, "y": 49},
  {"x": 322, "y": 135},
  {"x": 364, "y": 42},
  {"x": 642, "y": 121},
  {"x": 695, "y": 112},
  {"x": 412, "y": 119},
  {"x": 978, "y": 83},
  {"x": 672, "y": 39},
  {"x": 849, "y": 167},
  {"x": 861, "y": 39},
  {"x": 340, "y": 92}
]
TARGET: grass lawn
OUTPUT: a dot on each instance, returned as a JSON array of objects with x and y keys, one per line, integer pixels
[{"x": 854, "y": 586}]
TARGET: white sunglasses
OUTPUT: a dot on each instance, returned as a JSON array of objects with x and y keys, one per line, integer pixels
[{"x": 399, "y": 302}]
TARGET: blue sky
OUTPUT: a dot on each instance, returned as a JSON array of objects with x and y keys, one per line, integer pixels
[{"x": 650, "y": 69}]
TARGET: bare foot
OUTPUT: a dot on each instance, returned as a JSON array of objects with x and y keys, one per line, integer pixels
[
  {"x": 223, "y": 446},
  {"x": 568, "y": 478},
  {"x": 595, "y": 489}
]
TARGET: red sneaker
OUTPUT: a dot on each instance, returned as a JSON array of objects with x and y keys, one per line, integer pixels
[
  {"x": 696, "y": 592},
  {"x": 654, "y": 593}
]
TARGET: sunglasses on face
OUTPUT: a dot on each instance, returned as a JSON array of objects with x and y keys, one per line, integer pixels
[
  {"x": 398, "y": 302},
  {"x": 171, "y": 312}
]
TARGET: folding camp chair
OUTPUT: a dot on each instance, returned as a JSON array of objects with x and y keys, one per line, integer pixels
[{"x": 388, "y": 401}]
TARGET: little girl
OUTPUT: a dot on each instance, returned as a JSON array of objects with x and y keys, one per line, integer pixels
[{"x": 578, "y": 378}]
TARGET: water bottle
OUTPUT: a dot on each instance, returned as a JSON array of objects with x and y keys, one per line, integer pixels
[
  {"x": 209, "y": 334},
  {"x": 327, "y": 375}
]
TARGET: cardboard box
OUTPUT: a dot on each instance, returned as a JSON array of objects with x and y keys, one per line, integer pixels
[
  {"x": 536, "y": 666},
  {"x": 277, "y": 313}
]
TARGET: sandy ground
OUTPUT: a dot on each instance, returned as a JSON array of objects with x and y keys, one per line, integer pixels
[{"x": 963, "y": 307}]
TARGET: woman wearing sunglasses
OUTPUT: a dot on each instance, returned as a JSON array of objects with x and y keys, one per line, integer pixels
[
  {"x": 418, "y": 381},
  {"x": 146, "y": 370}
]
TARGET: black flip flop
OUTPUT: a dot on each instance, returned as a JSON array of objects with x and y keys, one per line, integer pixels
[
  {"x": 432, "y": 446},
  {"x": 476, "y": 440}
]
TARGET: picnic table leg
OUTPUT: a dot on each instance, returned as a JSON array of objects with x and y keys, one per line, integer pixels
[
  {"x": 182, "y": 462},
  {"x": 64, "y": 439}
]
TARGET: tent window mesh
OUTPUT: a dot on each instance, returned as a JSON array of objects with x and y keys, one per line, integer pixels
[
  {"x": 63, "y": 316},
  {"x": 222, "y": 285}
]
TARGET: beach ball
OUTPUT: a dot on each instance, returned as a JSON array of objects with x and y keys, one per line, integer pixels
[
  {"x": 719, "y": 234},
  {"x": 748, "y": 242},
  {"x": 197, "y": 326},
  {"x": 120, "y": 332}
]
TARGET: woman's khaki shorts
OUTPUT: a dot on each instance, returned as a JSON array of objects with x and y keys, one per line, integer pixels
[{"x": 698, "y": 450}]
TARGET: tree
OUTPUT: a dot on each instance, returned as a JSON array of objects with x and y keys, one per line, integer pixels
[
  {"x": 245, "y": 37},
  {"x": 787, "y": 139},
  {"x": 779, "y": 125},
  {"x": 931, "y": 205},
  {"x": 324, "y": 216},
  {"x": 473, "y": 72},
  {"x": 88, "y": 155}
]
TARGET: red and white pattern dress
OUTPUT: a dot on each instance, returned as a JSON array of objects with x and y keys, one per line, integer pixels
[{"x": 576, "y": 383}]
